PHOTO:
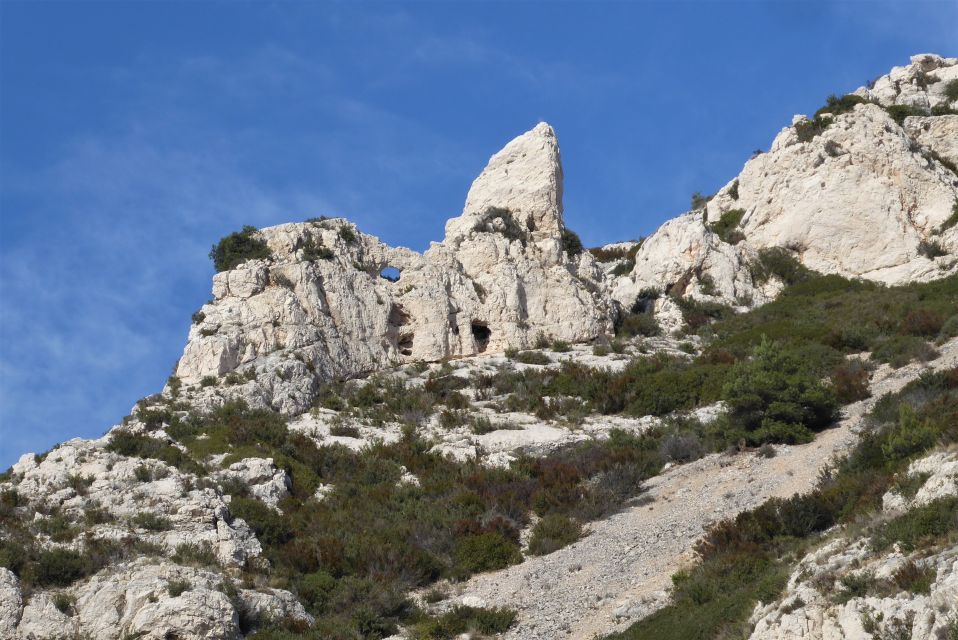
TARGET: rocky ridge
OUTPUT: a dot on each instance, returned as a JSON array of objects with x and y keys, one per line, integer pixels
[{"x": 853, "y": 193}]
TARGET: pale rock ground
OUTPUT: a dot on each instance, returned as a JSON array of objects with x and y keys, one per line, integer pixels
[
  {"x": 855, "y": 200},
  {"x": 621, "y": 571},
  {"x": 198, "y": 515},
  {"x": 133, "y": 598}
]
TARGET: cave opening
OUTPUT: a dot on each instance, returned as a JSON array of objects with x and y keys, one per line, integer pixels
[{"x": 481, "y": 334}]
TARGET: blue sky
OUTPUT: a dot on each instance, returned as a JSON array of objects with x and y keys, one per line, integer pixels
[{"x": 134, "y": 134}]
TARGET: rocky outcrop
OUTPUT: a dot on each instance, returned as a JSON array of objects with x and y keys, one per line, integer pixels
[
  {"x": 813, "y": 608},
  {"x": 318, "y": 309},
  {"x": 938, "y": 134},
  {"x": 922, "y": 83},
  {"x": 854, "y": 194},
  {"x": 81, "y": 475}
]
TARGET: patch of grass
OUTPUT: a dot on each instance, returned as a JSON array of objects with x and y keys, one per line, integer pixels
[{"x": 529, "y": 357}]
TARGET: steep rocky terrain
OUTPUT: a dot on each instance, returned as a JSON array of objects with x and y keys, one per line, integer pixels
[
  {"x": 859, "y": 190},
  {"x": 510, "y": 434}
]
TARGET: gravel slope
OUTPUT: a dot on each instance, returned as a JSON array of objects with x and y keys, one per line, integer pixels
[{"x": 622, "y": 569}]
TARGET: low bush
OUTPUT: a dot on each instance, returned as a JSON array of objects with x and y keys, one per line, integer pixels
[
  {"x": 850, "y": 381},
  {"x": 486, "y": 552},
  {"x": 60, "y": 567},
  {"x": 726, "y": 227},
  {"x": 571, "y": 243},
  {"x": 529, "y": 357},
  {"x": 178, "y": 587},
  {"x": 919, "y": 527},
  {"x": 553, "y": 532},
  {"x": 151, "y": 521},
  {"x": 238, "y": 247},
  {"x": 198, "y": 554},
  {"x": 931, "y": 249},
  {"x": 270, "y": 527},
  {"x": 900, "y": 350},
  {"x": 914, "y": 578},
  {"x": 463, "y": 620}
]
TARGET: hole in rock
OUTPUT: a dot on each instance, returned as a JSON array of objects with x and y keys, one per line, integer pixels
[
  {"x": 390, "y": 273},
  {"x": 480, "y": 333},
  {"x": 405, "y": 344}
]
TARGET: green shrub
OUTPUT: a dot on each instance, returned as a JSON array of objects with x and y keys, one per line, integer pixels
[
  {"x": 13, "y": 555},
  {"x": 900, "y": 350},
  {"x": 931, "y": 249},
  {"x": 699, "y": 200},
  {"x": 486, "y": 552},
  {"x": 344, "y": 431},
  {"x": 347, "y": 235},
  {"x": 529, "y": 357},
  {"x": 60, "y": 567},
  {"x": 776, "y": 397},
  {"x": 571, "y": 243},
  {"x": 462, "y": 620},
  {"x": 238, "y": 247},
  {"x": 808, "y": 130},
  {"x": 313, "y": 250},
  {"x": 270, "y": 527},
  {"x": 208, "y": 381},
  {"x": 553, "y": 532},
  {"x": 899, "y": 112},
  {"x": 637, "y": 324},
  {"x": 726, "y": 227},
  {"x": 919, "y": 527},
  {"x": 778, "y": 262},
  {"x": 561, "y": 346},
  {"x": 951, "y": 90},
  {"x": 836, "y": 106},
  {"x": 64, "y": 603},
  {"x": 850, "y": 381},
  {"x": 199, "y": 554}
]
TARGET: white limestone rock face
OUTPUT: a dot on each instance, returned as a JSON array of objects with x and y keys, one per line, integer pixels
[
  {"x": 134, "y": 598},
  {"x": 857, "y": 200},
  {"x": 684, "y": 257},
  {"x": 919, "y": 84},
  {"x": 936, "y": 133},
  {"x": 11, "y": 603},
  {"x": 500, "y": 278}
]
